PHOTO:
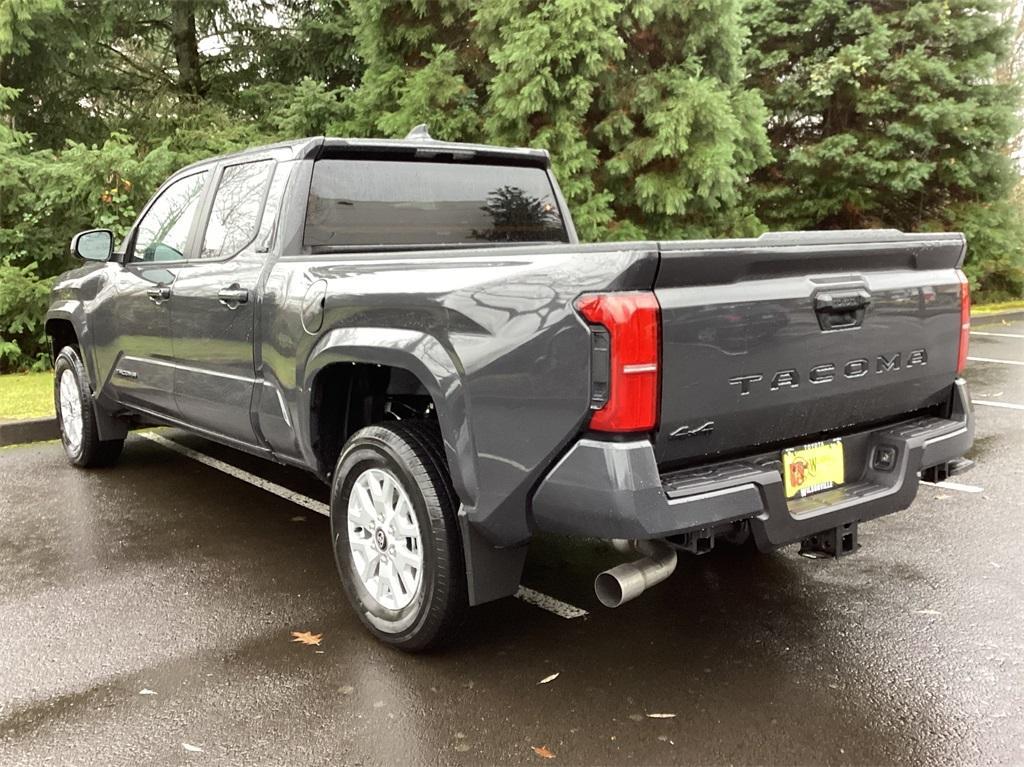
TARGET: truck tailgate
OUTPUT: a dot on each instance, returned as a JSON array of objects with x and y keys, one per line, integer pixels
[{"x": 794, "y": 335}]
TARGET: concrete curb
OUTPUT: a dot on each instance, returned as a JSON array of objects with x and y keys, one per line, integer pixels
[{"x": 31, "y": 430}]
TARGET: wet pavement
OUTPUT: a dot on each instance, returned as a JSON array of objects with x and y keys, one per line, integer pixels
[{"x": 164, "y": 575}]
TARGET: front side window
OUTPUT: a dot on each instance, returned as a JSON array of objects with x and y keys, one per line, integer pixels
[
  {"x": 355, "y": 203},
  {"x": 163, "y": 230},
  {"x": 235, "y": 217}
]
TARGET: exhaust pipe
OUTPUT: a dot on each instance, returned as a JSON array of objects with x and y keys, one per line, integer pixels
[{"x": 627, "y": 581}]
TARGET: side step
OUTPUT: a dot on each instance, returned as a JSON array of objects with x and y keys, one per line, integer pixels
[{"x": 837, "y": 542}]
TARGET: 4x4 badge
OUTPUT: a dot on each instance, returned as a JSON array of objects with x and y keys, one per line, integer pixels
[{"x": 686, "y": 431}]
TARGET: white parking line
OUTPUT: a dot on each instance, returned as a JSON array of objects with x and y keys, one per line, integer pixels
[
  {"x": 990, "y": 403},
  {"x": 531, "y": 597},
  {"x": 947, "y": 485},
  {"x": 998, "y": 362},
  {"x": 996, "y": 335}
]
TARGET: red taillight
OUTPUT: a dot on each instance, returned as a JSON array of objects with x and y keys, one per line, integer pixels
[
  {"x": 965, "y": 321},
  {"x": 632, "y": 321}
]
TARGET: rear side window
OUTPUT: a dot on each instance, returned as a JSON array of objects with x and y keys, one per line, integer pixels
[
  {"x": 235, "y": 217},
  {"x": 393, "y": 203}
]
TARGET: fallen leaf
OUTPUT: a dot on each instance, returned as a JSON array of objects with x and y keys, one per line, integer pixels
[
  {"x": 147, "y": 691},
  {"x": 661, "y": 716},
  {"x": 307, "y": 637},
  {"x": 347, "y": 689},
  {"x": 543, "y": 752},
  {"x": 462, "y": 747},
  {"x": 191, "y": 748},
  {"x": 551, "y": 678}
]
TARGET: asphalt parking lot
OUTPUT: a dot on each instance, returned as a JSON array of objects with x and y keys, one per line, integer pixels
[{"x": 146, "y": 614}]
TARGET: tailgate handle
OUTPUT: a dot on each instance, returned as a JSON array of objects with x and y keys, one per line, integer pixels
[{"x": 841, "y": 309}]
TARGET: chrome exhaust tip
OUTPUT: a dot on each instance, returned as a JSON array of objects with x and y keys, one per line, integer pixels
[{"x": 629, "y": 580}]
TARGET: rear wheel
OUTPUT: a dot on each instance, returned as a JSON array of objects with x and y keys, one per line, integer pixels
[
  {"x": 75, "y": 416},
  {"x": 396, "y": 536}
]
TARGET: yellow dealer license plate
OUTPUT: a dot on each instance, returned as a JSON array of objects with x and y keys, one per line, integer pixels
[{"x": 812, "y": 468}]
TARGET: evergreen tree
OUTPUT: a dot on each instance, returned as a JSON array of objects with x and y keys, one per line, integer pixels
[
  {"x": 641, "y": 104},
  {"x": 883, "y": 113},
  {"x": 417, "y": 59},
  {"x": 679, "y": 132},
  {"x": 889, "y": 114},
  {"x": 548, "y": 60}
]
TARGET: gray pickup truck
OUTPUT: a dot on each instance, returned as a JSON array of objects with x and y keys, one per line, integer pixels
[{"x": 416, "y": 322}]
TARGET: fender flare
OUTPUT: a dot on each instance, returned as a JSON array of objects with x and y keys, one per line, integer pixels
[
  {"x": 72, "y": 311},
  {"x": 422, "y": 355}
]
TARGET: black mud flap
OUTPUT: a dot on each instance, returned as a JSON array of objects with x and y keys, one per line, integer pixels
[{"x": 836, "y": 542}]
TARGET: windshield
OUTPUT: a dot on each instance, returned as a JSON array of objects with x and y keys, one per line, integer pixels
[{"x": 404, "y": 203}]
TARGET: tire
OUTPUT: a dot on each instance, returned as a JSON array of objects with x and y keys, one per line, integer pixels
[
  {"x": 72, "y": 400},
  {"x": 410, "y": 607}
]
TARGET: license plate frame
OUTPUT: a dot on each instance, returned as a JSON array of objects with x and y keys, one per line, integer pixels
[{"x": 813, "y": 468}]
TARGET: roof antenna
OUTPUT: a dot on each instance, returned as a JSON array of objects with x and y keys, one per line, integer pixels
[{"x": 419, "y": 133}]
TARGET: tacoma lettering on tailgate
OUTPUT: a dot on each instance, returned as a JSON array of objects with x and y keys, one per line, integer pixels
[{"x": 790, "y": 378}]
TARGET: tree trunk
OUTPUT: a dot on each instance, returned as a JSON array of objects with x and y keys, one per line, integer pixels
[{"x": 186, "y": 47}]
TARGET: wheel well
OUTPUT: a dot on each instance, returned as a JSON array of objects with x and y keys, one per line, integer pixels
[
  {"x": 347, "y": 396},
  {"x": 61, "y": 334}
]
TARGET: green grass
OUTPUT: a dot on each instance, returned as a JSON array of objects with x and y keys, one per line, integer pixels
[
  {"x": 26, "y": 395},
  {"x": 1005, "y": 306}
]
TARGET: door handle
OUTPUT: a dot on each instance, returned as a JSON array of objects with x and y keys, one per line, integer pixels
[
  {"x": 158, "y": 294},
  {"x": 235, "y": 296}
]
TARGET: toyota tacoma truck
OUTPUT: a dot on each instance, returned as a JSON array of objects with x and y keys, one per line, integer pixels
[{"x": 417, "y": 323}]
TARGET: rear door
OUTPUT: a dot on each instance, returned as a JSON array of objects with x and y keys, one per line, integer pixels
[
  {"x": 213, "y": 308},
  {"x": 791, "y": 336}
]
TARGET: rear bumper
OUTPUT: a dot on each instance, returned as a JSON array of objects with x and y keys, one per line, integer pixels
[{"x": 614, "y": 489}]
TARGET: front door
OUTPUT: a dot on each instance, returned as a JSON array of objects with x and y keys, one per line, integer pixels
[
  {"x": 214, "y": 308},
  {"x": 136, "y": 353}
]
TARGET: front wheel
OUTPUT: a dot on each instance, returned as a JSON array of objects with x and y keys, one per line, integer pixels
[
  {"x": 396, "y": 535},
  {"x": 73, "y": 403}
]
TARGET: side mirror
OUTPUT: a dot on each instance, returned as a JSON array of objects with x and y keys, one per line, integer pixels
[{"x": 93, "y": 245}]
